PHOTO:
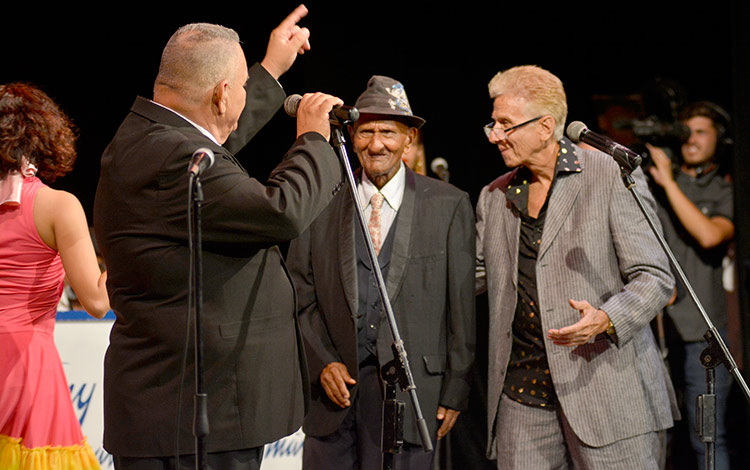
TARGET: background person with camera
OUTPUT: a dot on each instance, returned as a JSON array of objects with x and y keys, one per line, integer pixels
[{"x": 696, "y": 211}]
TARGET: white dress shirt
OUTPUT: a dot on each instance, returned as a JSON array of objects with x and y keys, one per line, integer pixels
[
  {"x": 200, "y": 128},
  {"x": 393, "y": 193}
]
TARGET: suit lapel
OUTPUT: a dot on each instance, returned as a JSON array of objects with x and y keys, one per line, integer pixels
[
  {"x": 512, "y": 226},
  {"x": 402, "y": 237},
  {"x": 564, "y": 195},
  {"x": 346, "y": 250},
  {"x": 507, "y": 221}
]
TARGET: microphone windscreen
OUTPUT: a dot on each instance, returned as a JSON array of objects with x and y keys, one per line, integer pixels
[
  {"x": 291, "y": 103},
  {"x": 575, "y": 129},
  {"x": 202, "y": 159},
  {"x": 209, "y": 154}
]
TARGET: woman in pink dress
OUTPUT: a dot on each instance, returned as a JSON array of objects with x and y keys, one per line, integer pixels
[{"x": 43, "y": 237}]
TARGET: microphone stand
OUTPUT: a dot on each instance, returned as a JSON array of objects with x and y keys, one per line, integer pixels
[
  {"x": 200, "y": 418},
  {"x": 397, "y": 371},
  {"x": 716, "y": 352}
]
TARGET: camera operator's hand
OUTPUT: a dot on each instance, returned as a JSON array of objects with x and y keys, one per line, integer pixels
[
  {"x": 709, "y": 232},
  {"x": 661, "y": 170}
]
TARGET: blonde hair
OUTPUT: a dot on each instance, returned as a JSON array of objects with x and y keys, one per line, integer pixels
[{"x": 543, "y": 92}]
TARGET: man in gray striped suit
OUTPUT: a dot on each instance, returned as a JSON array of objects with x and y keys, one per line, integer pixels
[{"x": 574, "y": 276}]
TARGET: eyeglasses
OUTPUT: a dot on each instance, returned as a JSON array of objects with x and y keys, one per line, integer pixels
[{"x": 490, "y": 128}]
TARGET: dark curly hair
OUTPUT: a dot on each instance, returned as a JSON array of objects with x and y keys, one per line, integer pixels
[{"x": 32, "y": 125}]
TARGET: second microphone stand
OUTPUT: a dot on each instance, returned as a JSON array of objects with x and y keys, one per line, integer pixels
[
  {"x": 716, "y": 352},
  {"x": 200, "y": 417},
  {"x": 397, "y": 371}
]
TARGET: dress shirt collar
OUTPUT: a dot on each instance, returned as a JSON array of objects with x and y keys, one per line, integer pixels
[
  {"x": 517, "y": 191},
  {"x": 393, "y": 190},
  {"x": 203, "y": 130},
  {"x": 703, "y": 177}
]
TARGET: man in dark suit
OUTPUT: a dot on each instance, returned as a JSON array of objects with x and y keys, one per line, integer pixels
[
  {"x": 426, "y": 252},
  {"x": 254, "y": 369}
]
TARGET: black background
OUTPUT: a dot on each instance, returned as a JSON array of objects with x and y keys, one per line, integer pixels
[
  {"x": 95, "y": 63},
  {"x": 94, "y": 60}
]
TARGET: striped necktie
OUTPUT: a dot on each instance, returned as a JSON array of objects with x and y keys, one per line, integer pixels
[{"x": 374, "y": 225}]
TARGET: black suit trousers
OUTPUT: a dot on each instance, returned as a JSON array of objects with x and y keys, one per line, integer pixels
[
  {"x": 356, "y": 443},
  {"x": 248, "y": 459}
]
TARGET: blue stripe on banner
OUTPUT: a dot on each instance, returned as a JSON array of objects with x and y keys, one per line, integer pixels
[{"x": 78, "y": 315}]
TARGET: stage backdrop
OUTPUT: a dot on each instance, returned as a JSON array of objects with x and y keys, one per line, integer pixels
[{"x": 82, "y": 342}]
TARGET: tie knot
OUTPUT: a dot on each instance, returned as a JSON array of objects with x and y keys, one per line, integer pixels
[{"x": 377, "y": 200}]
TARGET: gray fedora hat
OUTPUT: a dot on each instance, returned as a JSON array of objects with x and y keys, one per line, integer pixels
[{"x": 385, "y": 96}]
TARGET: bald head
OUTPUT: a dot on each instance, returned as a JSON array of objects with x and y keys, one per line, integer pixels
[{"x": 197, "y": 57}]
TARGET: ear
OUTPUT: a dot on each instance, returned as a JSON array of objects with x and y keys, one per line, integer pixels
[
  {"x": 352, "y": 129},
  {"x": 221, "y": 97},
  {"x": 411, "y": 138},
  {"x": 547, "y": 127}
]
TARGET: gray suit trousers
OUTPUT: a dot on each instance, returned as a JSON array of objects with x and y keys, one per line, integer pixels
[{"x": 539, "y": 438}]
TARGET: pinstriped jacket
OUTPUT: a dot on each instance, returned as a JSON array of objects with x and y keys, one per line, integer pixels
[{"x": 596, "y": 246}]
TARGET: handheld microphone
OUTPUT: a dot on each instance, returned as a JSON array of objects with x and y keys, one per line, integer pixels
[
  {"x": 626, "y": 158},
  {"x": 202, "y": 160},
  {"x": 439, "y": 166},
  {"x": 338, "y": 113}
]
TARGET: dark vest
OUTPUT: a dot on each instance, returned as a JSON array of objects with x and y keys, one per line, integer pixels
[{"x": 370, "y": 305}]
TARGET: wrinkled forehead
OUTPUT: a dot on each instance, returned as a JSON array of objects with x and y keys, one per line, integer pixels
[
  {"x": 508, "y": 105},
  {"x": 380, "y": 123}
]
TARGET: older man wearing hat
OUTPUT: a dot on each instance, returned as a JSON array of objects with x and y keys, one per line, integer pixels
[{"x": 423, "y": 232}]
